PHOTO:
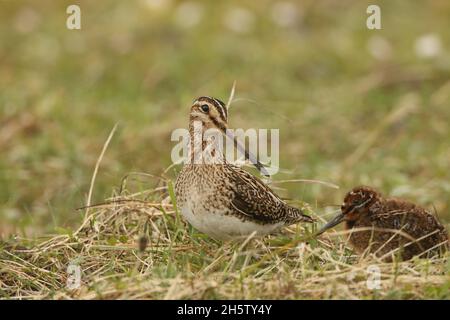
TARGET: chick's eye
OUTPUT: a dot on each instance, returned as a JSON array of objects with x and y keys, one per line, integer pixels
[{"x": 204, "y": 107}]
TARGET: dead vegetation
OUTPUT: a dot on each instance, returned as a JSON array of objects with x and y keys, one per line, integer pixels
[{"x": 136, "y": 246}]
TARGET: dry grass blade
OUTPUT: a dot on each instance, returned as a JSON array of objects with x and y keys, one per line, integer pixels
[
  {"x": 97, "y": 165},
  {"x": 231, "y": 97}
]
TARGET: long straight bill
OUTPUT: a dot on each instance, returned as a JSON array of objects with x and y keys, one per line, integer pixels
[
  {"x": 333, "y": 222},
  {"x": 248, "y": 156}
]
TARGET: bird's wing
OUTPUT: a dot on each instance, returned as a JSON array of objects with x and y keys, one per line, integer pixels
[
  {"x": 410, "y": 218},
  {"x": 255, "y": 200}
]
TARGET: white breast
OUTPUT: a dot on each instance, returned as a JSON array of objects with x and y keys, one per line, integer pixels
[{"x": 223, "y": 227}]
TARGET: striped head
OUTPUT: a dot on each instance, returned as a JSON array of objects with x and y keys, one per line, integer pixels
[
  {"x": 211, "y": 112},
  {"x": 358, "y": 200}
]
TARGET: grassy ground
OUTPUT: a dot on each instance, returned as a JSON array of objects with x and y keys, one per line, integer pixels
[
  {"x": 354, "y": 106},
  {"x": 138, "y": 247}
]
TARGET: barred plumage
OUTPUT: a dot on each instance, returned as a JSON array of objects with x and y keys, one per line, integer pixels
[
  {"x": 389, "y": 226},
  {"x": 223, "y": 200}
]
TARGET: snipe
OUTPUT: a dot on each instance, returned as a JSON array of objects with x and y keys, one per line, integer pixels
[
  {"x": 389, "y": 227},
  {"x": 221, "y": 199}
]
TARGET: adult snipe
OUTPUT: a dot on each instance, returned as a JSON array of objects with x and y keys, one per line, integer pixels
[
  {"x": 219, "y": 198},
  {"x": 389, "y": 226}
]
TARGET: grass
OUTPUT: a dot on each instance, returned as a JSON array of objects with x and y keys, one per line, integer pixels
[
  {"x": 354, "y": 106},
  {"x": 135, "y": 246}
]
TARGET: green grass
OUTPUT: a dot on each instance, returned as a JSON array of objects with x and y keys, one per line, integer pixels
[
  {"x": 344, "y": 115},
  {"x": 137, "y": 247}
]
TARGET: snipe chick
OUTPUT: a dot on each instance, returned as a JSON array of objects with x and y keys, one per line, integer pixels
[
  {"x": 389, "y": 227},
  {"x": 221, "y": 199}
]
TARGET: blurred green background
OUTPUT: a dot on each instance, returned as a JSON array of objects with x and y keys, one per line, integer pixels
[{"x": 354, "y": 106}]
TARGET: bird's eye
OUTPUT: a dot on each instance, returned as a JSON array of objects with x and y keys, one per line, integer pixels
[{"x": 204, "y": 107}]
